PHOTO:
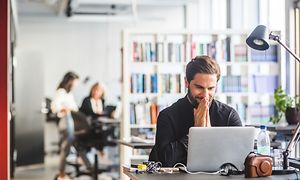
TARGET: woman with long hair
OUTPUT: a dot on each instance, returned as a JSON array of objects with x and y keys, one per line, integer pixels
[{"x": 63, "y": 104}]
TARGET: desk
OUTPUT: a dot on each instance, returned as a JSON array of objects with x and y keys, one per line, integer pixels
[
  {"x": 285, "y": 130},
  {"x": 106, "y": 120},
  {"x": 183, "y": 176},
  {"x": 137, "y": 145}
]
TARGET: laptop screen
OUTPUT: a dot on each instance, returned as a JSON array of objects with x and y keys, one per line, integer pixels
[{"x": 209, "y": 148}]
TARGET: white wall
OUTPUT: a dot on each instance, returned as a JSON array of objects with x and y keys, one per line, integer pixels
[
  {"x": 92, "y": 48},
  {"x": 87, "y": 48}
]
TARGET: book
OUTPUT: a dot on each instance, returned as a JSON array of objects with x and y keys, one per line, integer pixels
[
  {"x": 264, "y": 83},
  {"x": 159, "y": 52},
  {"x": 153, "y": 113},
  {"x": 240, "y": 53},
  {"x": 269, "y": 55}
]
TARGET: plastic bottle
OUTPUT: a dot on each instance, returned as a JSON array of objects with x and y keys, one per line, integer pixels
[{"x": 263, "y": 141}]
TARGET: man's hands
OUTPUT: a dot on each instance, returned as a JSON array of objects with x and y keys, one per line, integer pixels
[{"x": 201, "y": 114}]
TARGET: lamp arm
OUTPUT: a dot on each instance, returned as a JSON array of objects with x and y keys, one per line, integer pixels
[
  {"x": 295, "y": 138},
  {"x": 277, "y": 38},
  {"x": 291, "y": 145}
]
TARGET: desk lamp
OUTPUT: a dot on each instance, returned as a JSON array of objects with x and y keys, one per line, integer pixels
[{"x": 258, "y": 40}]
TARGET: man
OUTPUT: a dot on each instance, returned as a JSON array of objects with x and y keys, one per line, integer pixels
[{"x": 198, "y": 108}]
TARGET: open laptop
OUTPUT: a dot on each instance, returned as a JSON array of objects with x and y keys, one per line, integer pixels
[
  {"x": 109, "y": 109},
  {"x": 209, "y": 148}
]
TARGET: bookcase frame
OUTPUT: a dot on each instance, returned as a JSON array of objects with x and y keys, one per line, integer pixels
[{"x": 126, "y": 126}]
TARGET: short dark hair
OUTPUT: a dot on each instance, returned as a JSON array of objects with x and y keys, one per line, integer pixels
[
  {"x": 67, "y": 80},
  {"x": 202, "y": 64}
]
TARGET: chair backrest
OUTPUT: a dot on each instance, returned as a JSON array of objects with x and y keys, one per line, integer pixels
[
  {"x": 81, "y": 125},
  {"x": 50, "y": 116}
]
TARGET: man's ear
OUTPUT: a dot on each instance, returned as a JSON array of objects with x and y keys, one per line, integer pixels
[{"x": 186, "y": 83}]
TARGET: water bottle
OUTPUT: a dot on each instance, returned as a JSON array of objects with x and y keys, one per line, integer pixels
[{"x": 263, "y": 141}]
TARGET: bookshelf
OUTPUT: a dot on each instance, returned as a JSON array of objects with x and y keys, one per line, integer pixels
[{"x": 154, "y": 69}]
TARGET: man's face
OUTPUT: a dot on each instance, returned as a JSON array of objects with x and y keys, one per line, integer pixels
[{"x": 203, "y": 85}]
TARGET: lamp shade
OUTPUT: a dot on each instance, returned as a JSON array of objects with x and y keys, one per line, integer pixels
[{"x": 258, "y": 39}]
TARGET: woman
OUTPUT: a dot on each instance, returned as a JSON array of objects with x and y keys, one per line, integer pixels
[
  {"x": 93, "y": 105},
  {"x": 64, "y": 101},
  {"x": 63, "y": 104}
]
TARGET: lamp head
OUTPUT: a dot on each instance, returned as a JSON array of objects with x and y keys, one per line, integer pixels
[{"x": 258, "y": 39}]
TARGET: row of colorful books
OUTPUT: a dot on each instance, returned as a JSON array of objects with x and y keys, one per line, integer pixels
[
  {"x": 260, "y": 114},
  {"x": 257, "y": 113},
  {"x": 233, "y": 84},
  {"x": 155, "y": 52},
  {"x": 218, "y": 50},
  {"x": 256, "y": 84},
  {"x": 155, "y": 83},
  {"x": 144, "y": 113}
]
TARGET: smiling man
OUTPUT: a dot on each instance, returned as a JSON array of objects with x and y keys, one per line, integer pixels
[{"x": 198, "y": 108}]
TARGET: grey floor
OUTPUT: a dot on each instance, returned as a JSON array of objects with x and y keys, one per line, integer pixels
[{"x": 49, "y": 169}]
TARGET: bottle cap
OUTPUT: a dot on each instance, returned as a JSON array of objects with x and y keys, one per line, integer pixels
[{"x": 263, "y": 127}]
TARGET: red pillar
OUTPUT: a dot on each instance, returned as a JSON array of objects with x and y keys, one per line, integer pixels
[{"x": 3, "y": 89}]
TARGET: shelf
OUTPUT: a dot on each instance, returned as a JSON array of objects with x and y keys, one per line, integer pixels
[
  {"x": 247, "y": 63},
  {"x": 232, "y": 94},
  {"x": 139, "y": 157},
  {"x": 222, "y": 63},
  {"x": 158, "y": 63},
  {"x": 152, "y": 95},
  {"x": 243, "y": 94},
  {"x": 136, "y": 126},
  {"x": 143, "y": 95},
  {"x": 270, "y": 63}
]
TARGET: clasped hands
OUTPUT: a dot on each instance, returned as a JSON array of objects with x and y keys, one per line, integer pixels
[{"x": 201, "y": 114}]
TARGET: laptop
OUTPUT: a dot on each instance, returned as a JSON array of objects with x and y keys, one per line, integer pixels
[
  {"x": 209, "y": 148},
  {"x": 109, "y": 109}
]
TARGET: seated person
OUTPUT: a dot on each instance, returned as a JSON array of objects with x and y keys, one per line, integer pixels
[
  {"x": 198, "y": 108},
  {"x": 93, "y": 105}
]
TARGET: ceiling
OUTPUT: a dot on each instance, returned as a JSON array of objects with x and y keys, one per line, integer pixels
[{"x": 90, "y": 7}]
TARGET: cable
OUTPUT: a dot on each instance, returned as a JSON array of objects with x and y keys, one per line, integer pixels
[
  {"x": 153, "y": 167},
  {"x": 199, "y": 172}
]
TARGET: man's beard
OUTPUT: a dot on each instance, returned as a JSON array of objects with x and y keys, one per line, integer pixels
[{"x": 194, "y": 100}]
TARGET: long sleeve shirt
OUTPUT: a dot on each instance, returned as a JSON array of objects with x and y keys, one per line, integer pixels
[
  {"x": 173, "y": 125},
  {"x": 62, "y": 100}
]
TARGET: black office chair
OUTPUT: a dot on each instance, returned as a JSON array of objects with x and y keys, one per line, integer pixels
[
  {"x": 87, "y": 136},
  {"x": 50, "y": 116}
]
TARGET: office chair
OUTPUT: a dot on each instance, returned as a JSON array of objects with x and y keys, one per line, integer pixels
[
  {"x": 88, "y": 134},
  {"x": 50, "y": 116}
]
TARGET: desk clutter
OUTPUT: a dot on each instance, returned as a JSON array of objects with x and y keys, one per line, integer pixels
[
  {"x": 150, "y": 167},
  {"x": 256, "y": 165}
]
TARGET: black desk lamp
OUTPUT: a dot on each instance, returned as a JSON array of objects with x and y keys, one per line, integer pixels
[{"x": 258, "y": 40}]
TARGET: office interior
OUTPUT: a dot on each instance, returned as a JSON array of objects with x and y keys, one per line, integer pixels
[{"x": 101, "y": 40}]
